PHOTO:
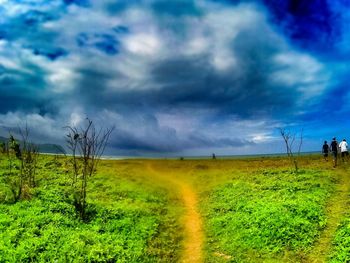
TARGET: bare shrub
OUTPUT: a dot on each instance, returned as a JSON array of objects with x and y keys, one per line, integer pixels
[
  {"x": 289, "y": 139},
  {"x": 87, "y": 145}
]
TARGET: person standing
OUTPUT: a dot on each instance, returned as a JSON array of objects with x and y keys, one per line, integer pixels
[
  {"x": 343, "y": 145},
  {"x": 325, "y": 151},
  {"x": 334, "y": 150}
]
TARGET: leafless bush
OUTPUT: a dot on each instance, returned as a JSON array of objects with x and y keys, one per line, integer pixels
[
  {"x": 87, "y": 145},
  {"x": 289, "y": 139}
]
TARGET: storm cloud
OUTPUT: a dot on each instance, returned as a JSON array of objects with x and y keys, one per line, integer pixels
[{"x": 186, "y": 77}]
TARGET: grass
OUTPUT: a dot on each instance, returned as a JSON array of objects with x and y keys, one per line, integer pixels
[
  {"x": 129, "y": 221},
  {"x": 341, "y": 251},
  {"x": 258, "y": 210},
  {"x": 341, "y": 241},
  {"x": 252, "y": 210},
  {"x": 266, "y": 215}
]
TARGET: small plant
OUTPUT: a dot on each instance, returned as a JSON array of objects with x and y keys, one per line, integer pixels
[
  {"x": 29, "y": 157},
  {"x": 14, "y": 146},
  {"x": 23, "y": 178},
  {"x": 2, "y": 147},
  {"x": 14, "y": 179}
]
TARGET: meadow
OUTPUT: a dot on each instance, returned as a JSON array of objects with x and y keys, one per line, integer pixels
[{"x": 232, "y": 210}]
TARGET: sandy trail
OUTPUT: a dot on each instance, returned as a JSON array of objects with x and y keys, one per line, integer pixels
[
  {"x": 192, "y": 220},
  {"x": 337, "y": 208}
]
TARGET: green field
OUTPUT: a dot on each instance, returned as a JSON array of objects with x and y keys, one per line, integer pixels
[{"x": 239, "y": 210}]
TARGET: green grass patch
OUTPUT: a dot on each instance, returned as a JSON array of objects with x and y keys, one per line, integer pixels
[
  {"x": 341, "y": 243},
  {"x": 129, "y": 220},
  {"x": 265, "y": 215}
]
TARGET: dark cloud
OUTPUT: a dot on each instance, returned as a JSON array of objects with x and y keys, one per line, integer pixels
[
  {"x": 117, "y": 7},
  {"x": 128, "y": 141},
  {"x": 83, "y": 3},
  {"x": 106, "y": 43},
  {"x": 52, "y": 53},
  {"x": 167, "y": 141},
  {"x": 201, "y": 87},
  {"x": 121, "y": 29},
  {"x": 17, "y": 94},
  {"x": 193, "y": 82},
  {"x": 176, "y": 8},
  {"x": 197, "y": 140},
  {"x": 91, "y": 90}
]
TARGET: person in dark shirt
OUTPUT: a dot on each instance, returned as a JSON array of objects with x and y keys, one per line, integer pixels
[
  {"x": 334, "y": 150},
  {"x": 325, "y": 151}
]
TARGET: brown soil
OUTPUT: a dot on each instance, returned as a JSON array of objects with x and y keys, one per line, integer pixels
[{"x": 192, "y": 222}]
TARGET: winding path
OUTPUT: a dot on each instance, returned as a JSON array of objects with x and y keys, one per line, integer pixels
[
  {"x": 191, "y": 220},
  {"x": 338, "y": 205}
]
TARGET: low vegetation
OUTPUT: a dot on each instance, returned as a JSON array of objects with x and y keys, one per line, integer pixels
[
  {"x": 128, "y": 220},
  {"x": 267, "y": 215},
  {"x": 341, "y": 243},
  {"x": 253, "y": 210}
]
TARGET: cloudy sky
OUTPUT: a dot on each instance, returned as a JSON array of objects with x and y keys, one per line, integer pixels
[{"x": 179, "y": 77}]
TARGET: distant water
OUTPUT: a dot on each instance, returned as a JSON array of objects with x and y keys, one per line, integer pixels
[
  {"x": 111, "y": 157},
  {"x": 200, "y": 157}
]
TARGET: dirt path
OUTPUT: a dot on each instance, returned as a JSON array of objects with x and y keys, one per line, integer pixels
[
  {"x": 336, "y": 209},
  {"x": 192, "y": 220}
]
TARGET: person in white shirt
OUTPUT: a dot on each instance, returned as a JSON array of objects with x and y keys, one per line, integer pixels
[{"x": 343, "y": 145}]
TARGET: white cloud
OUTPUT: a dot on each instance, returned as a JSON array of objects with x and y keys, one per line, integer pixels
[
  {"x": 296, "y": 68},
  {"x": 41, "y": 128},
  {"x": 15, "y": 8},
  {"x": 302, "y": 71},
  {"x": 223, "y": 26},
  {"x": 143, "y": 44},
  {"x": 76, "y": 119}
]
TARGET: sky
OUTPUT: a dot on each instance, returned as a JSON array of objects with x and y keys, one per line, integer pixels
[{"x": 179, "y": 77}]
